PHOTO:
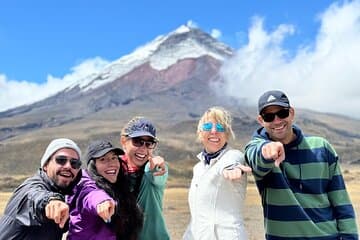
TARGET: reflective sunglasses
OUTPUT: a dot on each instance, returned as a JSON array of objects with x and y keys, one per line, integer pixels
[
  {"x": 139, "y": 142},
  {"x": 269, "y": 117},
  {"x": 206, "y": 127},
  {"x": 62, "y": 160}
]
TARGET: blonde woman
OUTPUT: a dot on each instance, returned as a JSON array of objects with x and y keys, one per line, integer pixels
[{"x": 218, "y": 186}]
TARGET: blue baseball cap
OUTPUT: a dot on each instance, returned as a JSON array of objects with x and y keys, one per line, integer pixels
[
  {"x": 140, "y": 127},
  {"x": 271, "y": 98}
]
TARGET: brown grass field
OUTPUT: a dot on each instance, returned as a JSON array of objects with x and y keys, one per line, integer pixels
[{"x": 177, "y": 213}]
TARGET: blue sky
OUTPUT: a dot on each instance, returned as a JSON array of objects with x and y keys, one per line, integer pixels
[
  {"x": 44, "y": 44},
  {"x": 38, "y": 38}
]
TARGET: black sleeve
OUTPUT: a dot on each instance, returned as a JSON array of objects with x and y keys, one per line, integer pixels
[{"x": 31, "y": 207}]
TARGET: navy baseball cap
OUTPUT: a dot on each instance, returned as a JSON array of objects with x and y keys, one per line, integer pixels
[
  {"x": 140, "y": 127},
  {"x": 271, "y": 98}
]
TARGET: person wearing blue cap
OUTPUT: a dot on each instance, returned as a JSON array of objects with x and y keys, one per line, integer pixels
[
  {"x": 298, "y": 177},
  {"x": 37, "y": 208},
  {"x": 148, "y": 175}
]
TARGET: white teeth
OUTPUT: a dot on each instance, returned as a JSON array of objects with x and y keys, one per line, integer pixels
[
  {"x": 65, "y": 174},
  {"x": 280, "y": 127},
  {"x": 110, "y": 172},
  {"x": 140, "y": 155},
  {"x": 214, "y": 139}
]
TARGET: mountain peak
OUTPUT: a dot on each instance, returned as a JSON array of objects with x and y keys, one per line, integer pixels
[
  {"x": 185, "y": 42},
  {"x": 182, "y": 29}
]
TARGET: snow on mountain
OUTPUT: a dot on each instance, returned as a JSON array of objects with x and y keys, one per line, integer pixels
[
  {"x": 190, "y": 47},
  {"x": 162, "y": 52}
]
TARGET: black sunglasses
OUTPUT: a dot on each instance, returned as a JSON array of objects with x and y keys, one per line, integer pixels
[
  {"x": 269, "y": 117},
  {"x": 139, "y": 142},
  {"x": 62, "y": 160}
]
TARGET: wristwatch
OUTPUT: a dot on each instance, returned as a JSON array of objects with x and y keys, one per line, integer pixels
[{"x": 56, "y": 197}]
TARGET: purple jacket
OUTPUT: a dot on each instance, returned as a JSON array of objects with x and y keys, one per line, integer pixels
[{"x": 84, "y": 221}]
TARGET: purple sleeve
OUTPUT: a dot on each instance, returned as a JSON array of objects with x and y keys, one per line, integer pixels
[{"x": 93, "y": 198}]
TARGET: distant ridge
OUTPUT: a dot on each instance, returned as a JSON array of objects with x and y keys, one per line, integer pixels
[{"x": 171, "y": 80}]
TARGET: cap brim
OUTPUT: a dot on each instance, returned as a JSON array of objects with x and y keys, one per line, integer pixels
[
  {"x": 118, "y": 151},
  {"x": 141, "y": 134},
  {"x": 281, "y": 104}
]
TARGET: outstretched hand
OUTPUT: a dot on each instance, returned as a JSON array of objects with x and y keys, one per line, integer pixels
[
  {"x": 236, "y": 172},
  {"x": 106, "y": 209},
  {"x": 157, "y": 165},
  {"x": 58, "y": 211},
  {"x": 274, "y": 151}
]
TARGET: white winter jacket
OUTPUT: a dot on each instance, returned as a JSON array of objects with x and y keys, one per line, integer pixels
[{"x": 216, "y": 203}]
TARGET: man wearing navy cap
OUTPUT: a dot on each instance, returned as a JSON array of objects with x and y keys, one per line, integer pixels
[{"x": 299, "y": 177}]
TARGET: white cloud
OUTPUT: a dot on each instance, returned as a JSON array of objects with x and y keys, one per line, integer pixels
[
  {"x": 191, "y": 23},
  {"x": 15, "y": 93},
  {"x": 323, "y": 76},
  {"x": 216, "y": 33}
]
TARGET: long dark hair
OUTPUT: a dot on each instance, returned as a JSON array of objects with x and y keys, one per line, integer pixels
[{"x": 128, "y": 218}]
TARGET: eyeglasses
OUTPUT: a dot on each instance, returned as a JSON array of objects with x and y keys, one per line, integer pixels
[
  {"x": 139, "y": 142},
  {"x": 269, "y": 117},
  {"x": 209, "y": 125},
  {"x": 62, "y": 160}
]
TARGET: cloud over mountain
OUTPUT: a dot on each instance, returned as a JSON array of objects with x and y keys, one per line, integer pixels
[
  {"x": 14, "y": 93},
  {"x": 321, "y": 75}
]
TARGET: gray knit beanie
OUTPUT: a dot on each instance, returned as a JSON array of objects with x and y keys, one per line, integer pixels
[{"x": 57, "y": 144}]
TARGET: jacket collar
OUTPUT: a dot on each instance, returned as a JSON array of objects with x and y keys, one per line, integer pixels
[{"x": 216, "y": 157}]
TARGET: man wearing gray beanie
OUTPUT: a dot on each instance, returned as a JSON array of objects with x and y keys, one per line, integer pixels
[{"x": 37, "y": 208}]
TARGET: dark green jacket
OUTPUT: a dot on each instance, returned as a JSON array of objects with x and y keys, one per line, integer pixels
[{"x": 150, "y": 194}]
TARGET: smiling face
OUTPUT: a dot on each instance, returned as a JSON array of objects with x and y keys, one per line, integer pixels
[
  {"x": 280, "y": 129},
  {"x": 213, "y": 140},
  {"x": 137, "y": 155},
  {"x": 108, "y": 166},
  {"x": 62, "y": 175},
  {"x": 214, "y": 129}
]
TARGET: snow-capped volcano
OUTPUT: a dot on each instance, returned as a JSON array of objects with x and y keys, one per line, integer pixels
[
  {"x": 169, "y": 80},
  {"x": 170, "y": 73},
  {"x": 164, "y": 51}
]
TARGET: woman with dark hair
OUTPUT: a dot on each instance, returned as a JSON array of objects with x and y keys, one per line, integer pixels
[{"x": 102, "y": 206}]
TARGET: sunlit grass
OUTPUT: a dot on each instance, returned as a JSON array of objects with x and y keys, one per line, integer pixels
[{"x": 4, "y": 197}]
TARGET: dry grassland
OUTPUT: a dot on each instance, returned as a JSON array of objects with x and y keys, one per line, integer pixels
[
  {"x": 177, "y": 213},
  {"x": 4, "y": 196}
]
